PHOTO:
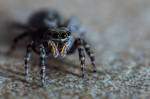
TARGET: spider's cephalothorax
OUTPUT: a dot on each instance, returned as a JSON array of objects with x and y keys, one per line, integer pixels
[
  {"x": 60, "y": 40},
  {"x": 51, "y": 34}
]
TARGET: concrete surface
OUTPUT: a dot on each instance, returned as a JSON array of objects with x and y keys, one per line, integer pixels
[{"x": 119, "y": 33}]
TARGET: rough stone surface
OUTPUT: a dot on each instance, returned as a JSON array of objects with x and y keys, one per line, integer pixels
[{"x": 119, "y": 33}]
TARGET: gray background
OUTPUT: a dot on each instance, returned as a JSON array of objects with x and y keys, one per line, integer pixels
[{"x": 118, "y": 31}]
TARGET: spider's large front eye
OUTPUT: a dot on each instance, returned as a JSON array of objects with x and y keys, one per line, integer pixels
[
  {"x": 55, "y": 35},
  {"x": 63, "y": 35}
]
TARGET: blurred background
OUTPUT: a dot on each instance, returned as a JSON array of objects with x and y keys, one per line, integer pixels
[
  {"x": 111, "y": 23},
  {"x": 118, "y": 30}
]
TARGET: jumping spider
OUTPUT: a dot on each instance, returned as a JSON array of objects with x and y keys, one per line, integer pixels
[{"x": 51, "y": 34}]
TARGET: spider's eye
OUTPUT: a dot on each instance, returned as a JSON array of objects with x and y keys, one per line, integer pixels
[
  {"x": 68, "y": 33},
  {"x": 55, "y": 35},
  {"x": 63, "y": 35}
]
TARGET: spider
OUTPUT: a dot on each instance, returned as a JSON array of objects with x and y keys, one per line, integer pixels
[{"x": 51, "y": 34}]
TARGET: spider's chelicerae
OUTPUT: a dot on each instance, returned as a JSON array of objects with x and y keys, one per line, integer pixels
[{"x": 51, "y": 34}]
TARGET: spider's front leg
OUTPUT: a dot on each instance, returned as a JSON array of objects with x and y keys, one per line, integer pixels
[
  {"x": 42, "y": 64},
  {"x": 27, "y": 58}
]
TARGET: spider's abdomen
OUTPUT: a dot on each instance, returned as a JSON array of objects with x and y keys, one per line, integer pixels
[{"x": 45, "y": 18}]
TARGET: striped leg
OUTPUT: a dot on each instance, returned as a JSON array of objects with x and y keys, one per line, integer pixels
[
  {"x": 90, "y": 54},
  {"x": 81, "y": 56},
  {"x": 42, "y": 64},
  {"x": 27, "y": 59}
]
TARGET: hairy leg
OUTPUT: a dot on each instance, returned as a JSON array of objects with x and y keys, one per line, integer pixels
[
  {"x": 90, "y": 54},
  {"x": 42, "y": 64},
  {"x": 81, "y": 55},
  {"x": 27, "y": 58}
]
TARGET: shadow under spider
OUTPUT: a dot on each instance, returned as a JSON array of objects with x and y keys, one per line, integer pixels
[
  {"x": 62, "y": 65},
  {"x": 65, "y": 63},
  {"x": 57, "y": 65}
]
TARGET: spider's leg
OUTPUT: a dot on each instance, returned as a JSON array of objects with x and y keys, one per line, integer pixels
[
  {"x": 27, "y": 58},
  {"x": 42, "y": 64},
  {"x": 73, "y": 21},
  {"x": 34, "y": 48},
  {"x": 81, "y": 55},
  {"x": 73, "y": 48},
  {"x": 15, "y": 41},
  {"x": 90, "y": 54},
  {"x": 17, "y": 25}
]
